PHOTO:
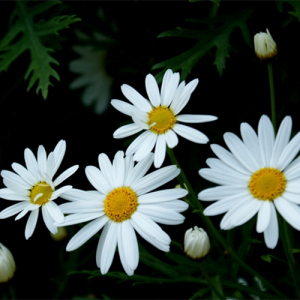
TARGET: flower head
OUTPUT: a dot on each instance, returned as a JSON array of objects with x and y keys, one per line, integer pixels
[
  {"x": 93, "y": 75},
  {"x": 35, "y": 188},
  {"x": 7, "y": 264},
  {"x": 264, "y": 45},
  {"x": 196, "y": 243},
  {"x": 122, "y": 203},
  {"x": 256, "y": 177},
  {"x": 159, "y": 117}
]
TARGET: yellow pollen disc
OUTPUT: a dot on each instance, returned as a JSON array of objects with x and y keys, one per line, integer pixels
[
  {"x": 120, "y": 204},
  {"x": 267, "y": 184},
  {"x": 163, "y": 119},
  {"x": 40, "y": 193}
]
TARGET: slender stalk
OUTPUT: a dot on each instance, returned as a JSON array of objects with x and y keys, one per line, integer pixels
[
  {"x": 272, "y": 95},
  {"x": 196, "y": 205}
]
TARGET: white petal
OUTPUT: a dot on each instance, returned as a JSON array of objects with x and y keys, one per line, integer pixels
[
  {"x": 139, "y": 170},
  {"x": 138, "y": 142},
  {"x": 80, "y": 218},
  {"x": 31, "y": 223},
  {"x": 152, "y": 90},
  {"x": 101, "y": 242},
  {"x": 224, "y": 205},
  {"x": 149, "y": 227},
  {"x": 282, "y": 139},
  {"x": 171, "y": 138},
  {"x": 271, "y": 234},
  {"x": 240, "y": 151},
  {"x": 160, "y": 151},
  {"x": 7, "y": 194},
  {"x": 295, "y": 198},
  {"x": 293, "y": 186},
  {"x": 82, "y": 196},
  {"x": 59, "y": 153},
  {"x": 176, "y": 104},
  {"x": 15, "y": 178},
  {"x": 31, "y": 163},
  {"x": 162, "y": 196},
  {"x": 196, "y": 118},
  {"x": 42, "y": 158},
  {"x": 289, "y": 211},
  {"x": 170, "y": 90},
  {"x": 81, "y": 207},
  {"x": 219, "y": 178},
  {"x": 122, "y": 106},
  {"x": 13, "y": 209},
  {"x": 289, "y": 152},
  {"x": 126, "y": 131},
  {"x": 48, "y": 220},
  {"x": 263, "y": 216},
  {"x": 139, "y": 118},
  {"x": 135, "y": 98},
  {"x": 176, "y": 205},
  {"x": 220, "y": 192},
  {"x": 155, "y": 179},
  {"x": 54, "y": 211},
  {"x": 118, "y": 169},
  {"x": 129, "y": 241},
  {"x": 50, "y": 165},
  {"x": 146, "y": 147},
  {"x": 161, "y": 215},
  {"x": 106, "y": 168},
  {"x": 266, "y": 139},
  {"x": 292, "y": 172},
  {"x": 190, "y": 134},
  {"x": 60, "y": 191},
  {"x": 98, "y": 181},
  {"x": 229, "y": 159},
  {"x": 15, "y": 187},
  {"x": 167, "y": 76},
  {"x": 109, "y": 248},
  {"x": 250, "y": 139},
  {"x": 129, "y": 163},
  {"x": 63, "y": 176},
  {"x": 86, "y": 233},
  {"x": 24, "y": 173}
]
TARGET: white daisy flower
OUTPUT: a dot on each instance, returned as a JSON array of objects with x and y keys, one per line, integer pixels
[
  {"x": 122, "y": 203},
  {"x": 35, "y": 188},
  {"x": 264, "y": 45},
  {"x": 159, "y": 117},
  {"x": 256, "y": 177},
  {"x": 93, "y": 76}
]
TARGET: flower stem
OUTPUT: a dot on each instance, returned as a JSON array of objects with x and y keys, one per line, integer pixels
[
  {"x": 197, "y": 206},
  {"x": 272, "y": 94}
]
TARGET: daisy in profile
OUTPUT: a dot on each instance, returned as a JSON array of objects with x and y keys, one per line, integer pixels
[
  {"x": 122, "y": 204},
  {"x": 34, "y": 187},
  {"x": 257, "y": 176},
  {"x": 159, "y": 117}
]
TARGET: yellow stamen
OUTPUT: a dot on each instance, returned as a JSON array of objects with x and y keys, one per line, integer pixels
[
  {"x": 161, "y": 119},
  {"x": 120, "y": 204},
  {"x": 40, "y": 193},
  {"x": 267, "y": 184}
]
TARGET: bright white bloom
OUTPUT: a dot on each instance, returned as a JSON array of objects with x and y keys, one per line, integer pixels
[
  {"x": 256, "y": 177},
  {"x": 264, "y": 45},
  {"x": 93, "y": 76},
  {"x": 122, "y": 203},
  {"x": 196, "y": 243},
  {"x": 7, "y": 264},
  {"x": 35, "y": 188},
  {"x": 159, "y": 117}
]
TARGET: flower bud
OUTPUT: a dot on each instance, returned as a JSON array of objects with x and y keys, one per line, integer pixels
[
  {"x": 60, "y": 234},
  {"x": 196, "y": 243},
  {"x": 7, "y": 264},
  {"x": 264, "y": 45}
]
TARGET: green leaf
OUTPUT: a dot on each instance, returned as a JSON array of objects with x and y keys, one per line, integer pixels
[
  {"x": 207, "y": 40},
  {"x": 25, "y": 34}
]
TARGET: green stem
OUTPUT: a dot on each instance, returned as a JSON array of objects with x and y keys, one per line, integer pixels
[
  {"x": 287, "y": 245},
  {"x": 197, "y": 206},
  {"x": 272, "y": 95}
]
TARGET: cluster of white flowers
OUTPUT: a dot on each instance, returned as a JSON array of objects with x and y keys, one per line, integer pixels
[{"x": 257, "y": 176}]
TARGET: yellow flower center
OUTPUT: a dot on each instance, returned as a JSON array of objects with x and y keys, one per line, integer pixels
[
  {"x": 161, "y": 119},
  {"x": 267, "y": 184},
  {"x": 120, "y": 204},
  {"x": 40, "y": 193}
]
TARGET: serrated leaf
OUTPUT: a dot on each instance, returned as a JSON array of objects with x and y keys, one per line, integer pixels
[
  {"x": 207, "y": 40},
  {"x": 25, "y": 34}
]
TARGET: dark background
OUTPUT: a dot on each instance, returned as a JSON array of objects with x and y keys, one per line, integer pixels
[{"x": 27, "y": 120}]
